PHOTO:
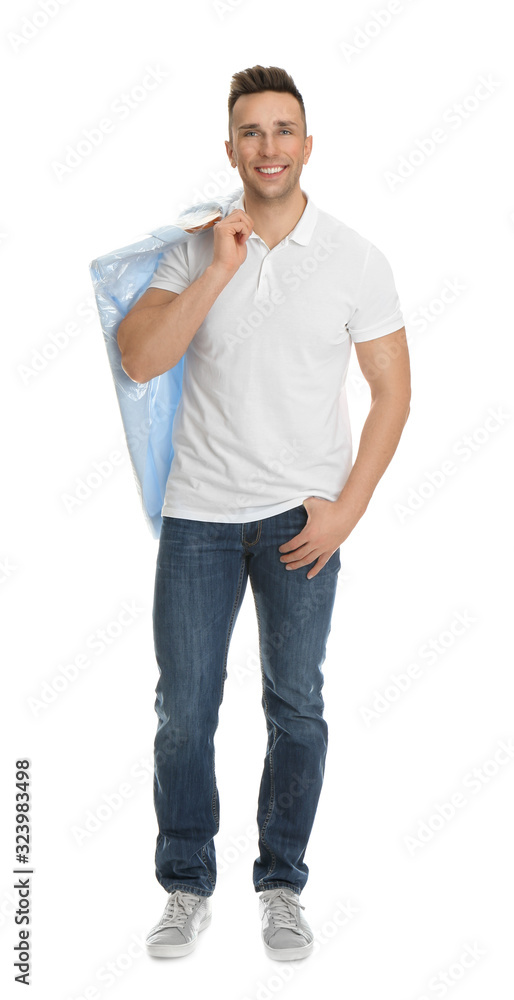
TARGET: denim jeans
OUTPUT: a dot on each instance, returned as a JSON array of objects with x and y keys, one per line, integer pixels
[{"x": 201, "y": 576}]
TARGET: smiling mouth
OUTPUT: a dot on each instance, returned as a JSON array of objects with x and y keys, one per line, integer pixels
[{"x": 271, "y": 171}]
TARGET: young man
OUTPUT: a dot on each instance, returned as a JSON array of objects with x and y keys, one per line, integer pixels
[{"x": 265, "y": 307}]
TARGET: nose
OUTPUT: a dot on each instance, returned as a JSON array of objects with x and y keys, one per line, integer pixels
[{"x": 268, "y": 145}]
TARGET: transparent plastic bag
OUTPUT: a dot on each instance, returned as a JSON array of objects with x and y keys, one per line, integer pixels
[{"x": 147, "y": 409}]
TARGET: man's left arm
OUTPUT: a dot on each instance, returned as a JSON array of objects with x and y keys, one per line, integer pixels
[{"x": 384, "y": 362}]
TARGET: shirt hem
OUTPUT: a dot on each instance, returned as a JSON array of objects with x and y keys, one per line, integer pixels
[
  {"x": 374, "y": 333},
  {"x": 168, "y": 286},
  {"x": 241, "y": 517}
]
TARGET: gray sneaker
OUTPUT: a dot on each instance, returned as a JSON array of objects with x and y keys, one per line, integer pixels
[
  {"x": 176, "y": 934},
  {"x": 285, "y": 931}
]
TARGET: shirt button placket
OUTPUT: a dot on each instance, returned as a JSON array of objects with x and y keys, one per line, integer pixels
[{"x": 263, "y": 284}]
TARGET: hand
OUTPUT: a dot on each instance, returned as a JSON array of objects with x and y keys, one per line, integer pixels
[
  {"x": 328, "y": 524},
  {"x": 230, "y": 236}
]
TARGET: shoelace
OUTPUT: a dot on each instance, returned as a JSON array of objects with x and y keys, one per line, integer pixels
[
  {"x": 179, "y": 907},
  {"x": 283, "y": 909}
]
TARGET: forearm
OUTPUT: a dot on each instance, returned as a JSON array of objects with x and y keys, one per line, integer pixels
[
  {"x": 155, "y": 338},
  {"x": 379, "y": 439}
]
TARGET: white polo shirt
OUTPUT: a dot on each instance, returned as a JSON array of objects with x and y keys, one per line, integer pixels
[{"x": 263, "y": 420}]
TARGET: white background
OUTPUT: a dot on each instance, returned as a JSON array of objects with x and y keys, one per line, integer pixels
[{"x": 420, "y": 556}]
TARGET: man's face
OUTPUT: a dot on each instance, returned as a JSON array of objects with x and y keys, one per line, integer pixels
[{"x": 268, "y": 131}]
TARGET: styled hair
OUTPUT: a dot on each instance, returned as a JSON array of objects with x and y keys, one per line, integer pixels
[{"x": 257, "y": 79}]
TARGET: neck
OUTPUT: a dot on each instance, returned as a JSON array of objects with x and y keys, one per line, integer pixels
[{"x": 274, "y": 219}]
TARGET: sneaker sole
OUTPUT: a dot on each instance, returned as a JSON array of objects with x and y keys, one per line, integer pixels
[
  {"x": 177, "y": 950},
  {"x": 288, "y": 954}
]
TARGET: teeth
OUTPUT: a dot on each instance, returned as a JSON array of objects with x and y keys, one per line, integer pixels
[{"x": 269, "y": 170}]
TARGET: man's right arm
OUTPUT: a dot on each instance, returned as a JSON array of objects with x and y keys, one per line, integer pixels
[{"x": 157, "y": 331}]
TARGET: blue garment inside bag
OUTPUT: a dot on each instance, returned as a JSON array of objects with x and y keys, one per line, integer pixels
[{"x": 147, "y": 409}]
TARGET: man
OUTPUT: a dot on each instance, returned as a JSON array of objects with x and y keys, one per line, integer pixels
[{"x": 265, "y": 307}]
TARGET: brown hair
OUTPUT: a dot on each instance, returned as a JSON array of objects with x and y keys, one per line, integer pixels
[{"x": 260, "y": 78}]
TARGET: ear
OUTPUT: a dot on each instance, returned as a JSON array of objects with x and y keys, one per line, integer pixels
[
  {"x": 230, "y": 153},
  {"x": 307, "y": 149}
]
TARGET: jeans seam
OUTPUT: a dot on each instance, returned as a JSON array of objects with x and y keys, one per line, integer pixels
[
  {"x": 204, "y": 859},
  {"x": 259, "y": 532},
  {"x": 223, "y": 677},
  {"x": 272, "y": 773}
]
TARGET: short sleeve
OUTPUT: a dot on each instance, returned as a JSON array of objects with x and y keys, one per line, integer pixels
[
  {"x": 377, "y": 310},
  {"x": 172, "y": 271}
]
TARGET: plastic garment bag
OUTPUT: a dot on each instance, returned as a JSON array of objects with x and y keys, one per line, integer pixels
[{"x": 147, "y": 408}]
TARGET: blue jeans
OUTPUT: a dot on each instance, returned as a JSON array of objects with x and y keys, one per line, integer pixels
[{"x": 201, "y": 575}]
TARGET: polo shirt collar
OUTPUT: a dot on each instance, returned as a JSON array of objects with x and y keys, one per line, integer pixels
[{"x": 304, "y": 228}]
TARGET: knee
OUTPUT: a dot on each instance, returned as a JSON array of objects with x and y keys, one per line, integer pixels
[{"x": 171, "y": 739}]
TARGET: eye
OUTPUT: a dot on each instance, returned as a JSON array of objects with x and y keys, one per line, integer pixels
[{"x": 250, "y": 132}]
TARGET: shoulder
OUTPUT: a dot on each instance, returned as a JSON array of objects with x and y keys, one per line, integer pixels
[
  {"x": 352, "y": 245},
  {"x": 328, "y": 223},
  {"x": 362, "y": 251}
]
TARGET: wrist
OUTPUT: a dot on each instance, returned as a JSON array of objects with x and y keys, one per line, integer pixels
[
  {"x": 352, "y": 506},
  {"x": 220, "y": 274}
]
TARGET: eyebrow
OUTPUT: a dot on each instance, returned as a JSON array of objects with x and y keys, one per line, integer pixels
[{"x": 257, "y": 125}]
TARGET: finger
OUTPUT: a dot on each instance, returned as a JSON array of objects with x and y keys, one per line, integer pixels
[
  {"x": 297, "y": 560},
  {"x": 318, "y": 567},
  {"x": 295, "y": 555},
  {"x": 239, "y": 229},
  {"x": 239, "y": 217},
  {"x": 293, "y": 543},
  {"x": 239, "y": 212}
]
